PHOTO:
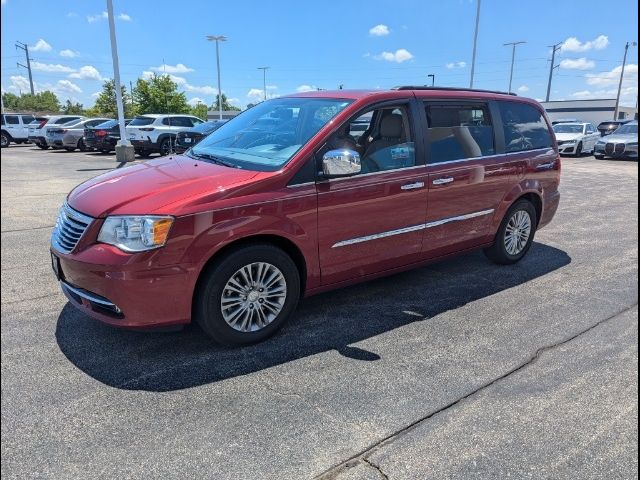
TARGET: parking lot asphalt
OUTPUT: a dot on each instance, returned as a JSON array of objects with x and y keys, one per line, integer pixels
[{"x": 460, "y": 369}]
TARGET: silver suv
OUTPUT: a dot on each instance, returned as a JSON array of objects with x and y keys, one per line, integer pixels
[{"x": 157, "y": 133}]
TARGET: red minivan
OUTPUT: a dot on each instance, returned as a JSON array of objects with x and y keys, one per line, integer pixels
[{"x": 303, "y": 194}]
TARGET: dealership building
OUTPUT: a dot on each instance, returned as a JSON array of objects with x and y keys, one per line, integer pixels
[{"x": 593, "y": 111}]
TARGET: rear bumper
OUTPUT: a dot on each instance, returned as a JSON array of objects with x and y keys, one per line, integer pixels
[
  {"x": 122, "y": 290},
  {"x": 38, "y": 140},
  {"x": 144, "y": 145},
  {"x": 107, "y": 143}
]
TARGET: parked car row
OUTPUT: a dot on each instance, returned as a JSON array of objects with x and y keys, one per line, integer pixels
[
  {"x": 576, "y": 138},
  {"x": 163, "y": 133}
]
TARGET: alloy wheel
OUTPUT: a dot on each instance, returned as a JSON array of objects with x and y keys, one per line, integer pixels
[
  {"x": 517, "y": 232},
  {"x": 253, "y": 297}
]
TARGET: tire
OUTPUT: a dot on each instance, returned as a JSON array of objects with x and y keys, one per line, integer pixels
[
  {"x": 69, "y": 149},
  {"x": 104, "y": 151},
  {"x": 43, "y": 147},
  {"x": 579, "y": 150},
  {"x": 500, "y": 252},
  {"x": 598, "y": 157},
  {"x": 144, "y": 153},
  {"x": 165, "y": 147},
  {"x": 5, "y": 140},
  {"x": 81, "y": 146},
  {"x": 258, "y": 315}
]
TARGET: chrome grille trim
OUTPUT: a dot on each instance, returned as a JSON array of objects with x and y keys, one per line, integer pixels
[{"x": 70, "y": 226}]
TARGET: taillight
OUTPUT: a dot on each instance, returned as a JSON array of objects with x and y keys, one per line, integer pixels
[
  {"x": 64, "y": 131},
  {"x": 146, "y": 129},
  {"x": 101, "y": 133}
]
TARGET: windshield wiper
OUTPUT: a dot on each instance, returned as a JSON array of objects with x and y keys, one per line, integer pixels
[{"x": 212, "y": 158}]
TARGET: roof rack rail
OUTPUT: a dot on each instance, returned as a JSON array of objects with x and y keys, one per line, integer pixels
[{"x": 451, "y": 89}]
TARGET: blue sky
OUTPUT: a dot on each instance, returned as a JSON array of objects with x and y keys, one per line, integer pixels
[{"x": 309, "y": 45}]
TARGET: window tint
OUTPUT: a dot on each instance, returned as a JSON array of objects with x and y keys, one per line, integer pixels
[
  {"x": 360, "y": 125},
  {"x": 524, "y": 127},
  {"x": 12, "y": 119},
  {"x": 108, "y": 124},
  {"x": 93, "y": 123},
  {"x": 195, "y": 121},
  {"x": 64, "y": 120},
  {"x": 26, "y": 119},
  {"x": 140, "y": 121},
  {"x": 456, "y": 132},
  {"x": 180, "y": 122}
]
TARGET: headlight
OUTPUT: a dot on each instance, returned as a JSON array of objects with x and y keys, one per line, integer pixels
[
  {"x": 632, "y": 144},
  {"x": 601, "y": 142},
  {"x": 570, "y": 141},
  {"x": 135, "y": 233}
]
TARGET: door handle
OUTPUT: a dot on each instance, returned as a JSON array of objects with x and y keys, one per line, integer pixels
[
  {"x": 442, "y": 181},
  {"x": 412, "y": 186}
]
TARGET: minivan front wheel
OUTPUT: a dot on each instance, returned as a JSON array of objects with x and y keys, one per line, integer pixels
[
  {"x": 247, "y": 295},
  {"x": 515, "y": 235}
]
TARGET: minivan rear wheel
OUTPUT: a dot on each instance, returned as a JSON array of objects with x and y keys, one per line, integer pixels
[
  {"x": 247, "y": 295},
  {"x": 515, "y": 235}
]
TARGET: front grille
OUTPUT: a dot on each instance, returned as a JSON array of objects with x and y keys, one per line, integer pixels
[
  {"x": 69, "y": 228},
  {"x": 608, "y": 148},
  {"x": 619, "y": 148}
]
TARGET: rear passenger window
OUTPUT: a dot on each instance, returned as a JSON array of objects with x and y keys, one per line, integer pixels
[
  {"x": 457, "y": 132},
  {"x": 12, "y": 119},
  {"x": 27, "y": 119},
  {"x": 524, "y": 127}
]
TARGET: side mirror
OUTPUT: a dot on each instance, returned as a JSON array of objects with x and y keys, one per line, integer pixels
[{"x": 341, "y": 163}]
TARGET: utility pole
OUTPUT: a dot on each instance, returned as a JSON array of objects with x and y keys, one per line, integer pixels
[
  {"x": 25, "y": 47},
  {"x": 555, "y": 48},
  {"x": 475, "y": 43},
  {"x": 624, "y": 63},
  {"x": 264, "y": 80},
  {"x": 513, "y": 57},
  {"x": 433, "y": 79},
  {"x": 218, "y": 39},
  {"x": 124, "y": 150}
]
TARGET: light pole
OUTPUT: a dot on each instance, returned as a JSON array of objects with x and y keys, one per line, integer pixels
[
  {"x": 513, "y": 58},
  {"x": 218, "y": 39},
  {"x": 124, "y": 150},
  {"x": 264, "y": 80},
  {"x": 475, "y": 42},
  {"x": 433, "y": 79},
  {"x": 624, "y": 62}
]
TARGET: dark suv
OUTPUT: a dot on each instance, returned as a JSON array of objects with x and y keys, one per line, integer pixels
[
  {"x": 607, "y": 128},
  {"x": 282, "y": 202}
]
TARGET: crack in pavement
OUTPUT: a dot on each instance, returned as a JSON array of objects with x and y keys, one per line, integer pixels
[
  {"x": 27, "y": 229},
  {"x": 364, "y": 455},
  {"x": 376, "y": 467}
]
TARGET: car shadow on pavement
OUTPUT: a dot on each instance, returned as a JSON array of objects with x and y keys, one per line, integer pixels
[{"x": 331, "y": 321}]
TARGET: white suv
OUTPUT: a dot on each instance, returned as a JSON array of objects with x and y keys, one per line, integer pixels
[
  {"x": 38, "y": 130},
  {"x": 14, "y": 127},
  {"x": 157, "y": 133}
]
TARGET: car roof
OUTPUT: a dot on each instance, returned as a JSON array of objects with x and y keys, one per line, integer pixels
[{"x": 162, "y": 115}]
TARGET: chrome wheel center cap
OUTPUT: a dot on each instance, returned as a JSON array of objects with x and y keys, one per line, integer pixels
[{"x": 253, "y": 296}]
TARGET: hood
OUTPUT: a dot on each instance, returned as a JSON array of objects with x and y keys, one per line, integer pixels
[
  {"x": 563, "y": 137},
  {"x": 620, "y": 138},
  {"x": 147, "y": 187}
]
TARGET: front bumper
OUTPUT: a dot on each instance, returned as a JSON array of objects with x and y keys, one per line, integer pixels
[
  {"x": 125, "y": 290},
  {"x": 567, "y": 148},
  {"x": 616, "y": 150}
]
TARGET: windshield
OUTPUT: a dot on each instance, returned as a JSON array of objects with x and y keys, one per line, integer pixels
[
  {"x": 107, "y": 124},
  {"x": 566, "y": 128},
  {"x": 265, "y": 137},
  {"x": 627, "y": 129}
]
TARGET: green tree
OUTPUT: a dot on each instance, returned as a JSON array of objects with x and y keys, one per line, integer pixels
[
  {"x": 159, "y": 94},
  {"x": 10, "y": 100},
  {"x": 72, "y": 108},
  {"x": 45, "y": 102},
  {"x": 226, "y": 106},
  {"x": 200, "y": 110},
  {"x": 106, "y": 101}
]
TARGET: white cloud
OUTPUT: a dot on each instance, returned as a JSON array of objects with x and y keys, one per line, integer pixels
[
  {"x": 19, "y": 83},
  {"x": 613, "y": 77},
  {"x": 41, "y": 46},
  {"x": 202, "y": 89},
  {"x": 379, "y": 30},
  {"x": 456, "y": 65},
  {"x": 629, "y": 92},
  {"x": 104, "y": 16},
  {"x": 146, "y": 75},
  {"x": 179, "y": 68},
  {"x": 4, "y": 1},
  {"x": 400, "y": 55},
  {"x": 65, "y": 86},
  {"x": 99, "y": 16},
  {"x": 87, "y": 73},
  {"x": 572, "y": 44},
  {"x": 72, "y": 15},
  {"x": 67, "y": 53},
  {"x": 195, "y": 101},
  {"x": 95, "y": 94},
  {"x": 523, "y": 88},
  {"x": 51, "y": 67},
  {"x": 305, "y": 88},
  {"x": 234, "y": 101},
  {"x": 577, "y": 64},
  {"x": 272, "y": 87}
]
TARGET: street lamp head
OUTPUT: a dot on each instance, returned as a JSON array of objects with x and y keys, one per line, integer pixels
[{"x": 216, "y": 38}]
